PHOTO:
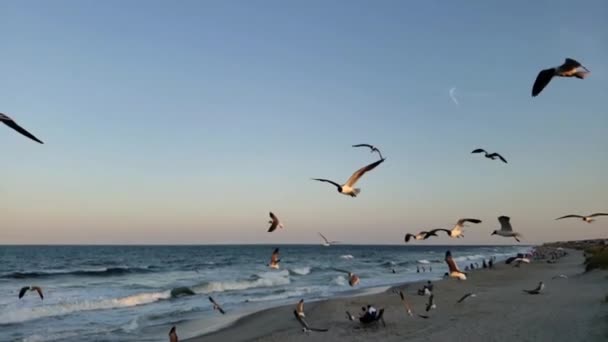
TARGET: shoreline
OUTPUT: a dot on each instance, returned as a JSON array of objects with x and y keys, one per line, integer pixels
[{"x": 278, "y": 324}]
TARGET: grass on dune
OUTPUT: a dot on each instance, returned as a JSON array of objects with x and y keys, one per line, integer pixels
[{"x": 597, "y": 258}]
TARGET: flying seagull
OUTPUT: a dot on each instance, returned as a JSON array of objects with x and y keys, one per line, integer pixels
[
  {"x": 327, "y": 243},
  {"x": 431, "y": 304},
  {"x": 173, "y": 335},
  {"x": 587, "y": 219},
  {"x": 372, "y": 148},
  {"x": 537, "y": 290},
  {"x": 353, "y": 279},
  {"x": 405, "y": 303},
  {"x": 505, "y": 228},
  {"x": 274, "y": 259},
  {"x": 570, "y": 68},
  {"x": 492, "y": 156},
  {"x": 12, "y": 124},
  {"x": 305, "y": 327},
  {"x": 470, "y": 294},
  {"x": 30, "y": 288},
  {"x": 454, "y": 272},
  {"x": 274, "y": 223},
  {"x": 216, "y": 306},
  {"x": 457, "y": 231},
  {"x": 347, "y": 188},
  {"x": 300, "y": 308}
]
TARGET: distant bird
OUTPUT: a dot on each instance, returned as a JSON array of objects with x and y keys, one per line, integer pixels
[
  {"x": 347, "y": 188},
  {"x": 350, "y": 316},
  {"x": 457, "y": 231},
  {"x": 216, "y": 306},
  {"x": 300, "y": 308},
  {"x": 353, "y": 279},
  {"x": 537, "y": 290},
  {"x": 12, "y": 124},
  {"x": 587, "y": 219},
  {"x": 173, "y": 335},
  {"x": 372, "y": 148},
  {"x": 505, "y": 229},
  {"x": 570, "y": 68},
  {"x": 454, "y": 272},
  {"x": 430, "y": 304},
  {"x": 274, "y": 223},
  {"x": 326, "y": 242},
  {"x": 492, "y": 156},
  {"x": 274, "y": 259},
  {"x": 471, "y": 294},
  {"x": 405, "y": 303},
  {"x": 30, "y": 288},
  {"x": 305, "y": 327}
]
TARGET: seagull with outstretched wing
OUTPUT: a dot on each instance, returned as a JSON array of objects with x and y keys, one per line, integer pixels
[
  {"x": 216, "y": 306},
  {"x": 454, "y": 271},
  {"x": 31, "y": 288},
  {"x": 348, "y": 187},
  {"x": 372, "y": 148},
  {"x": 588, "y": 219},
  {"x": 12, "y": 124},
  {"x": 274, "y": 223},
  {"x": 305, "y": 327},
  {"x": 506, "y": 229},
  {"x": 570, "y": 68},
  {"x": 491, "y": 156}
]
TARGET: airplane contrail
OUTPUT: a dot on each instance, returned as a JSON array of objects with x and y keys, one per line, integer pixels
[{"x": 452, "y": 96}]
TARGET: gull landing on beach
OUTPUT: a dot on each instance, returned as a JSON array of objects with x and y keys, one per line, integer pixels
[
  {"x": 173, "y": 335},
  {"x": 216, "y": 306},
  {"x": 570, "y": 68},
  {"x": 506, "y": 229},
  {"x": 454, "y": 272},
  {"x": 492, "y": 156},
  {"x": 274, "y": 260},
  {"x": 274, "y": 223},
  {"x": 12, "y": 124},
  {"x": 537, "y": 290},
  {"x": 588, "y": 219},
  {"x": 457, "y": 231},
  {"x": 348, "y": 187},
  {"x": 372, "y": 149},
  {"x": 30, "y": 288}
]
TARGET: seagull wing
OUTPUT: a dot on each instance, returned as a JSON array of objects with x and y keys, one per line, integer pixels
[
  {"x": 464, "y": 220},
  {"x": 341, "y": 270},
  {"x": 434, "y": 232},
  {"x": 324, "y": 238},
  {"x": 505, "y": 223},
  {"x": 543, "y": 78},
  {"x": 570, "y": 63},
  {"x": 359, "y": 173},
  {"x": 408, "y": 236},
  {"x": 274, "y": 224},
  {"x": 305, "y": 325},
  {"x": 219, "y": 308},
  {"x": 275, "y": 256},
  {"x": 12, "y": 124},
  {"x": 39, "y": 290},
  {"x": 23, "y": 291},
  {"x": 300, "y": 306},
  {"x": 328, "y": 181},
  {"x": 464, "y": 297},
  {"x": 499, "y": 156},
  {"x": 598, "y": 214},
  {"x": 451, "y": 263},
  {"x": 429, "y": 305},
  {"x": 479, "y": 150},
  {"x": 570, "y": 216},
  {"x": 365, "y": 145}
]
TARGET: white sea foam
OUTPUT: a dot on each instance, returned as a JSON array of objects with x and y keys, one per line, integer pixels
[
  {"x": 347, "y": 256},
  {"x": 266, "y": 279},
  {"x": 301, "y": 270}
]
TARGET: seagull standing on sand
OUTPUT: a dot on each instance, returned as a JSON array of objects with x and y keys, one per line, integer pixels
[
  {"x": 31, "y": 288},
  {"x": 216, "y": 306},
  {"x": 300, "y": 308},
  {"x": 12, "y": 124},
  {"x": 587, "y": 219},
  {"x": 274, "y": 260},
  {"x": 471, "y": 294},
  {"x": 570, "y": 68},
  {"x": 274, "y": 223},
  {"x": 326, "y": 242},
  {"x": 372, "y": 148},
  {"x": 348, "y": 187},
  {"x": 457, "y": 231},
  {"x": 305, "y": 327},
  {"x": 506, "y": 229},
  {"x": 173, "y": 335},
  {"x": 537, "y": 290},
  {"x": 454, "y": 272},
  {"x": 492, "y": 156}
]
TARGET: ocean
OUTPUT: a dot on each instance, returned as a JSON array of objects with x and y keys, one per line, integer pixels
[{"x": 132, "y": 293}]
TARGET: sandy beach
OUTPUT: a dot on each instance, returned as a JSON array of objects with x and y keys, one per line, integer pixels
[{"x": 572, "y": 309}]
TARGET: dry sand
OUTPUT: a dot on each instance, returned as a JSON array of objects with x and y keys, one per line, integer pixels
[{"x": 570, "y": 309}]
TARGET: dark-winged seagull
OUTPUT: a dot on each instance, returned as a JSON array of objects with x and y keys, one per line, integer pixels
[
  {"x": 274, "y": 260},
  {"x": 537, "y": 290},
  {"x": 326, "y": 242},
  {"x": 372, "y": 148},
  {"x": 420, "y": 236},
  {"x": 30, "y": 288},
  {"x": 173, "y": 335},
  {"x": 305, "y": 327},
  {"x": 454, "y": 272},
  {"x": 348, "y": 187},
  {"x": 492, "y": 156},
  {"x": 216, "y": 306},
  {"x": 12, "y": 124},
  {"x": 570, "y": 68},
  {"x": 470, "y": 294},
  {"x": 506, "y": 229},
  {"x": 587, "y": 219},
  {"x": 274, "y": 223},
  {"x": 457, "y": 231},
  {"x": 405, "y": 303}
]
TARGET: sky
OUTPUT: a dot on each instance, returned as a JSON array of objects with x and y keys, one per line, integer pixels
[{"x": 187, "y": 122}]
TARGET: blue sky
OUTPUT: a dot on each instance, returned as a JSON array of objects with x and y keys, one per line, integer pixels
[{"x": 186, "y": 122}]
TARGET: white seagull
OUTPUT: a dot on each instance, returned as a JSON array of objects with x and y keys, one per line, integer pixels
[
  {"x": 505, "y": 228},
  {"x": 12, "y": 124},
  {"x": 587, "y": 219},
  {"x": 454, "y": 272},
  {"x": 348, "y": 187},
  {"x": 457, "y": 231},
  {"x": 326, "y": 242},
  {"x": 570, "y": 68},
  {"x": 274, "y": 223}
]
